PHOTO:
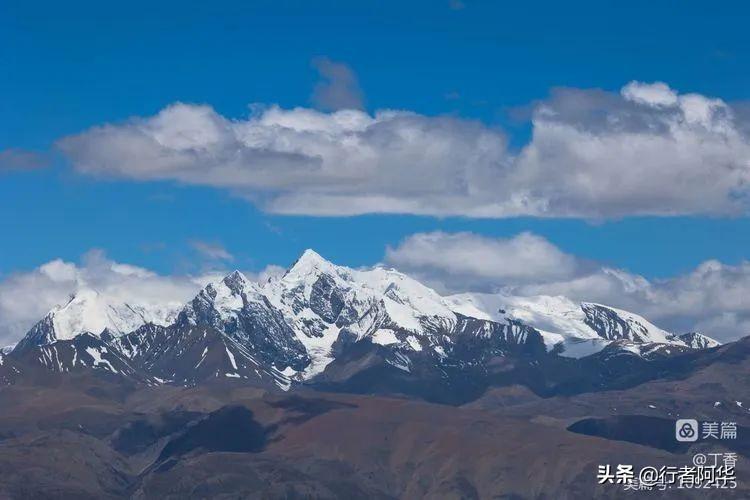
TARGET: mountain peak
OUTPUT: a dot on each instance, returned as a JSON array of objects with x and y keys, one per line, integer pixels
[
  {"x": 235, "y": 281},
  {"x": 699, "y": 340},
  {"x": 236, "y": 274},
  {"x": 81, "y": 296},
  {"x": 96, "y": 312},
  {"x": 309, "y": 262},
  {"x": 310, "y": 255}
]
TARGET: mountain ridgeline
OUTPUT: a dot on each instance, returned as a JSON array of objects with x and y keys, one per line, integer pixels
[{"x": 340, "y": 329}]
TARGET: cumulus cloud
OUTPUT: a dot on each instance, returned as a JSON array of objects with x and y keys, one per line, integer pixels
[
  {"x": 303, "y": 161},
  {"x": 471, "y": 261},
  {"x": 25, "y": 297},
  {"x": 339, "y": 88},
  {"x": 655, "y": 94},
  {"x": 647, "y": 150},
  {"x": 711, "y": 298}
]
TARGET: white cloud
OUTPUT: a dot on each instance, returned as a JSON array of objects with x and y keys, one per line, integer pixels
[
  {"x": 600, "y": 155},
  {"x": 654, "y": 94},
  {"x": 647, "y": 150},
  {"x": 302, "y": 160},
  {"x": 712, "y": 297},
  {"x": 481, "y": 262},
  {"x": 268, "y": 272}
]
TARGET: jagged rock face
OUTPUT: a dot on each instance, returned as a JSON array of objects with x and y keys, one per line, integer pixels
[
  {"x": 84, "y": 351},
  {"x": 9, "y": 371},
  {"x": 572, "y": 329},
  {"x": 327, "y": 301},
  {"x": 697, "y": 340},
  {"x": 190, "y": 354},
  {"x": 612, "y": 324},
  {"x": 298, "y": 321},
  {"x": 236, "y": 308},
  {"x": 40, "y": 334},
  {"x": 497, "y": 339},
  {"x": 643, "y": 350}
]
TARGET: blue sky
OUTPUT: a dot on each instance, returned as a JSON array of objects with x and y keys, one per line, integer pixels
[{"x": 68, "y": 67}]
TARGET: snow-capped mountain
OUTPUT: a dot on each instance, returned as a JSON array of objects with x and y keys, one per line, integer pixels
[
  {"x": 237, "y": 308},
  {"x": 324, "y": 303},
  {"x": 90, "y": 311},
  {"x": 320, "y": 321},
  {"x": 82, "y": 351},
  {"x": 192, "y": 354},
  {"x": 9, "y": 372},
  {"x": 698, "y": 340},
  {"x": 296, "y": 320},
  {"x": 579, "y": 329}
]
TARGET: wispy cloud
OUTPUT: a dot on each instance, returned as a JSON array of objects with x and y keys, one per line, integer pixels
[
  {"x": 214, "y": 251},
  {"x": 21, "y": 159},
  {"x": 339, "y": 88}
]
